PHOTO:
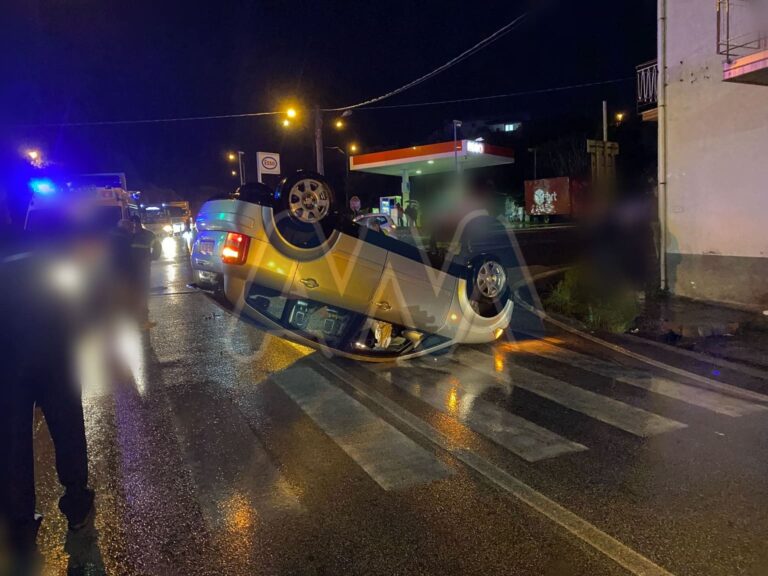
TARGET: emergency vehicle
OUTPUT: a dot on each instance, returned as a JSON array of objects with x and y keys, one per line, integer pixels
[{"x": 94, "y": 201}]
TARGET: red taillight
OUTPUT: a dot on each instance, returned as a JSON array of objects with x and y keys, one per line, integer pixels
[{"x": 235, "y": 249}]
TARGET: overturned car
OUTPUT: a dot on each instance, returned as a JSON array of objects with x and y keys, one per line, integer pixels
[{"x": 289, "y": 261}]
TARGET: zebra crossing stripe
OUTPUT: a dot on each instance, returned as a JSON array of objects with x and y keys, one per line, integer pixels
[
  {"x": 634, "y": 562},
  {"x": 613, "y": 412},
  {"x": 518, "y": 435},
  {"x": 390, "y": 458}
]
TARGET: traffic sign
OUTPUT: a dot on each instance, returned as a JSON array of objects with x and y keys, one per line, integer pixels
[{"x": 267, "y": 163}]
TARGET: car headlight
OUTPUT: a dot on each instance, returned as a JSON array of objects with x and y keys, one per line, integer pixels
[{"x": 168, "y": 228}]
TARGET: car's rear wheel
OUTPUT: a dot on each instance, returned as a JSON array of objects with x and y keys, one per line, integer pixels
[
  {"x": 307, "y": 197},
  {"x": 305, "y": 211},
  {"x": 488, "y": 288}
]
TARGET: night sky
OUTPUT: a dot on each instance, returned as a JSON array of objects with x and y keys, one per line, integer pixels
[{"x": 100, "y": 60}]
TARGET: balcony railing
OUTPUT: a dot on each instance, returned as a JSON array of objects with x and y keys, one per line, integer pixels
[
  {"x": 742, "y": 27},
  {"x": 647, "y": 85}
]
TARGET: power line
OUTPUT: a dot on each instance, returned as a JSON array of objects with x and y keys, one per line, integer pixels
[
  {"x": 154, "y": 120},
  {"x": 508, "y": 95},
  {"x": 387, "y": 107},
  {"x": 463, "y": 56}
]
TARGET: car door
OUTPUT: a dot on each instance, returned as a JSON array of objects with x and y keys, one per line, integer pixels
[
  {"x": 412, "y": 293},
  {"x": 346, "y": 275}
]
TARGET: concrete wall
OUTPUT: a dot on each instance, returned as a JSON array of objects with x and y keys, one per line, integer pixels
[{"x": 717, "y": 159}]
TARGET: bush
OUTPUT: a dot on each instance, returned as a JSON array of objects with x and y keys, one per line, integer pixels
[{"x": 600, "y": 305}]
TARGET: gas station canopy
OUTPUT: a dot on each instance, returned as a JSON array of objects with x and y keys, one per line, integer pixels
[{"x": 432, "y": 158}]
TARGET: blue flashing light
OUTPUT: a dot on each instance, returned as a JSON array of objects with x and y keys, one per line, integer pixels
[{"x": 42, "y": 186}]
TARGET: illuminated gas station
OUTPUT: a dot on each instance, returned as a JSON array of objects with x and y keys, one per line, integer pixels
[{"x": 438, "y": 158}]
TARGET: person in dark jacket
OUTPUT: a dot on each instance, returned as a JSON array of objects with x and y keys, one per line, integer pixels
[{"x": 144, "y": 249}]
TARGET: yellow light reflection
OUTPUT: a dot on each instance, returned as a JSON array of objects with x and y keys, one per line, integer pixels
[
  {"x": 452, "y": 400},
  {"x": 238, "y": 514},
  {"x": 528, "y": 345},
  {"x": 498, "y": 362}
]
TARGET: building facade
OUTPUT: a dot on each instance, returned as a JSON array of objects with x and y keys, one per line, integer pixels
[{"x": 713, "y": 109}]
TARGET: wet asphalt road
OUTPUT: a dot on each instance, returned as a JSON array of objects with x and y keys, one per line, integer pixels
[{"x": 223, "y": 450}]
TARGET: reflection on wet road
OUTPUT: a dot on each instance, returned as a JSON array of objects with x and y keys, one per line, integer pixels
[{"x": 218, "y": 449}]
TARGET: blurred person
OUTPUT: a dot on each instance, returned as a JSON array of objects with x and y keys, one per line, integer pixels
[
  {"x": 398, "y": 215},
  {"x": 411, "y": 214},
  {"x": 43, "y": 303},
  {"x": 145, "y": 247}
]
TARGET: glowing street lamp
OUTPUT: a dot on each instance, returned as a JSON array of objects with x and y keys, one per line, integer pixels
[
  {"x": 291, "y": 113},
  {"x": 286, "y": 123},
  {"x": 232, "y": 156},
  {"x": 34, "y": 157},
  {"x": 353, "y": 147},
  {"x": 339, "y": 124}
]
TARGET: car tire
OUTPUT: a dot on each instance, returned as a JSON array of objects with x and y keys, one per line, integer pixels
[
  {"x": 305, "y": 209},
  {"x": 488, "y": 289}
]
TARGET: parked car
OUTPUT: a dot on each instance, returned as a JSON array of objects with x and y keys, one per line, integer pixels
[
  {"x": 378, "y": 221},
  {"x": 286, "y": 260}
]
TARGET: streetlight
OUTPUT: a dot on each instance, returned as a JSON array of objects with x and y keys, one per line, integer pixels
[
  {"x": 240, "y": 164},
  {"x": 286, "y": 123},
  {"x": 291, "y": 113},
  {"x": 619, "y": 117},
  {"x": 35, "y": 157},
  {"x": 456, "y": 126},
  {"x": 345, "y": 153},
  {"x": 339, "y": 124}
]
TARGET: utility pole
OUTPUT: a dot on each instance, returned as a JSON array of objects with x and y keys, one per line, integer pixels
[
  {"x": 319, "y": 164},
  {"x": 535, "y": 161},
  {"x": 605, "y": 121},
  {"x": 241, "y": 166},
  {"x": 661, "y": 103},
  {"x": 456, "y": 126}
]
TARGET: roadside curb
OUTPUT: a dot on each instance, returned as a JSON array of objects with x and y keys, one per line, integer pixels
[
  {"x": 708, "y": 382},
  {"x": 722, "y": 362}
]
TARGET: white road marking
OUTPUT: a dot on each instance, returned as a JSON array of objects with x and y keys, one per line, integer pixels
[
  {"x": 588, "y": 533},
  {"x": 695, "y": 395},
  {"x": 392, "y": 459},
  {"x": 618, "y": 414},
  {"x": 453, "y": 396}
]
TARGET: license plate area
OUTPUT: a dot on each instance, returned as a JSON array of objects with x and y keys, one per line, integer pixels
[{"x": 207, "y": 246}]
